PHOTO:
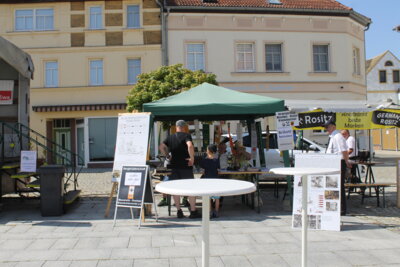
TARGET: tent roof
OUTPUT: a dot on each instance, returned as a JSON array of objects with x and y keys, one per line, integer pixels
[
  {"x": 211, "y": 102},
  {"x": 16, "y": 58}
]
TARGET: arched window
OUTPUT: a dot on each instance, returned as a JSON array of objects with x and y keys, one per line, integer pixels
[{"x": 388, "y": 63}]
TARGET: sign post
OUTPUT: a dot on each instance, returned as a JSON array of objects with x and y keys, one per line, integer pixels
[{"x": 134, "y": 190}]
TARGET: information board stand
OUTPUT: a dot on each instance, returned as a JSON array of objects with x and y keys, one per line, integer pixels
[
  {"x": 134, "y": 191},
  {"x": 131, "y": 146}
]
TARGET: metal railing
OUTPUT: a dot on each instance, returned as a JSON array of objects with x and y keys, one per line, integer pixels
[{"x": 15, "y": 137}]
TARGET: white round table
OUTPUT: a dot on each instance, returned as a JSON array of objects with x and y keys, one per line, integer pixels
[
  {"x": 304, "y": 172},
  {"x": 205, "y": 188}
]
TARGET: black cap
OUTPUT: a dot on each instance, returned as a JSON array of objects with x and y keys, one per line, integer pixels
[{"x": 329, "y": 122}]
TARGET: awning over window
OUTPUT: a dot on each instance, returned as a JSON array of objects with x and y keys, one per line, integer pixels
[{"x": 86, "y": 107}]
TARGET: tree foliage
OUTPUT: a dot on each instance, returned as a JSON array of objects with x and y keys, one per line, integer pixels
[{"x": 164, "y": 82}]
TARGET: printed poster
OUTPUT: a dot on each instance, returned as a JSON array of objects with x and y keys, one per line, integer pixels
[
  {"x": 284, "y": 122},
  {"x": 28, "y": 161},
  {"x": 132, "y": 141},
  {"x": 323, "y": 202}
]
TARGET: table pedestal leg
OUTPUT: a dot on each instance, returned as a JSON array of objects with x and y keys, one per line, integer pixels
[
  {"x": 205, "y": 243},
  {"x": 304, "y": 221}
]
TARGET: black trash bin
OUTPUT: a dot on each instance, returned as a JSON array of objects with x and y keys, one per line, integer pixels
[{"x": 51, "y": 190}]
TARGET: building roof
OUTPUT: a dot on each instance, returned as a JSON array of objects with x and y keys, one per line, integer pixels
[
  {"x": 291, "y": 4},
  {"x": 16, "y": 58},
  {"x": 371, "y": 63},
  {"x": 302, "y": 7}
]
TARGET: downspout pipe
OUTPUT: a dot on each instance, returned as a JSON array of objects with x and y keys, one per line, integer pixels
[{"x": 163, "y": 33}]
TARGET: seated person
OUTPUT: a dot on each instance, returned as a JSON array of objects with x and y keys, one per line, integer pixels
[
  {"x": 241, "y": 156},
  {"x": 223, "y": 156}
]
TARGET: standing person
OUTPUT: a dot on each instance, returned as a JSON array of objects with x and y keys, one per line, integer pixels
[
  {"x": 337, "y": 145},
  {"x": 351, "y": 143},
  {"x": 210, "y": 164},
  {"x": 181, "y": 157},
  {"x": 223, "y": 156},
  {"x": 351, "y": 146}
]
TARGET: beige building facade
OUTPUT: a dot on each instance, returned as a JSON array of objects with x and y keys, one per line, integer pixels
[{"x": 87, "y": 56}]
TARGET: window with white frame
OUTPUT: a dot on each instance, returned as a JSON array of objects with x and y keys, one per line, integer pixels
[
  {"x": 51, "y": 74},
  {"x": 96, "y": 18},
  {"x": 273, "y": 57},
  {"x": 96, "y": 72},
  {"x": 34, "y": 19},
  {"x": 195, "y": 56},
  {"x": 134, "y": 69},
  {"x": 396, "y": 76},
  {"x": 321, "y": 58},
  {"x": 133, "y": 16},
  {"x": 245, "y": 57},
  {"x": 356, "y": 61}
]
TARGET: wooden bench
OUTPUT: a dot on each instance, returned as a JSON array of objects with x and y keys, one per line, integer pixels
[{"x": 363, "y": 186}]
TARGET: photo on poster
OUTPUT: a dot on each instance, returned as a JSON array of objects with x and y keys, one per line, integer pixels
[
  {"x": 332, "y": 181},
  {"x": 314, "y": 221},
  {"x": 317, "y": 181},
  {"x": 332, "y": 194},
  {"x": 297, "y": 220},
  {"x": 133, "y": 178},
  {"x": 332, "y": 205}
]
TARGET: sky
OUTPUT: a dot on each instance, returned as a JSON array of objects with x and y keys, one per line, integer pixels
[{"x": 385, "y": 15}]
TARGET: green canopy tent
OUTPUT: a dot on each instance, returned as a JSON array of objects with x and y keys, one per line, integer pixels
[{"x": 210, "y": 102}]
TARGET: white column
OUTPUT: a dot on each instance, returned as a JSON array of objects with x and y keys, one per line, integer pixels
[
  {"x": 304, "y": 221},
  {"x": 205, "y": 243}
]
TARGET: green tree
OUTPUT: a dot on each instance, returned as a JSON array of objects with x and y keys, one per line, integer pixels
[{"x": 164, "y": 82}]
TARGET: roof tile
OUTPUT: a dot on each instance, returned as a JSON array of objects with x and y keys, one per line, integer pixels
[{"x": 289, "y": 4}]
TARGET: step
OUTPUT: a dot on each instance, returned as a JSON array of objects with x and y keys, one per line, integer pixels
[
  {"x": 71, "y": 196},
  {"x": 9, "y": 166},
  {"x": 22, "y": 175},
  {"x": 34, "y": 184}
]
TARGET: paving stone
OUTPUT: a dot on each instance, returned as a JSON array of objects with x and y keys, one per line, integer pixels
[
  {"x": 177, "y": 252},
  {"x": 139, "y": 242},
  {"x": 41, "y": 244},
  {"x": 328, "y": 259},
  {"x": 294, "y": 260},
  {"x": 87, "y": 243},
  {"x": 85, "y": 254},
  {"x": 236, "y": 261},
  {"x": 162, "y": 241},
  {"x": 184, "y": 240},
  {"x": 359, "y": 257},
  {"x": 214, "y": 262},
  {"x": 7, "y": 264},
  {"x": 113, "y": 263},
  {"x": 84, "y": 263},
  {"x": 29, "y": 264},
  {"x": 151, "y": 262},
  {"x": 57, "y": 264},
  {"x": 267, "y": 260},
  {"x": 135, "y": 253},
  {"x": 114, "y": 242},
  {"x": 233, "y": 239},
  {"x": 16, "y": 244},
  {"x": 65, "y": 243},
  {"x": 215, "y": 239},
  {"x": 183, "y": 262},
  {"x": 387, "y": 256},
  {"x": 36, "y": 255}
]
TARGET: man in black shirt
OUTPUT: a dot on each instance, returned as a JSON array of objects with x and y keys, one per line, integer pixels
[{"x": 181, "y": 149}]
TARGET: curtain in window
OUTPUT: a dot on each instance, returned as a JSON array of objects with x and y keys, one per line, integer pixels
[
  {"x": 321, "y": 58},
  {"x": 44, "y": 19},
  {"x": 273, "y": 57},
  {"x": 245, "y": 57}
]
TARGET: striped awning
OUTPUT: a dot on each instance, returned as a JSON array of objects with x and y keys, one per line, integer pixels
[{"x": 85, "y": 107}]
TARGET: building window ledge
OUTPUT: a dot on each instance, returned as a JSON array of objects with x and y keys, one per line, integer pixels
[{"x": 322, "y": 73}]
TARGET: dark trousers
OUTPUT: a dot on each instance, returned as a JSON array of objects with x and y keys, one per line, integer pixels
[{"x": 343, "y": 206}]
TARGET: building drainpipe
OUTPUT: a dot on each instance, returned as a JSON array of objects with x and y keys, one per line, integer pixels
[{"x": 164, "y": 32}]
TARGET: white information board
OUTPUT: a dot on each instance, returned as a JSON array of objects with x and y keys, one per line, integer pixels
[
  {"x": 284, "y": 122},
  {"x": 132, "y": 142},
  {"x": 323, "y": 193},
  {"x": 28, "y": 161}
]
